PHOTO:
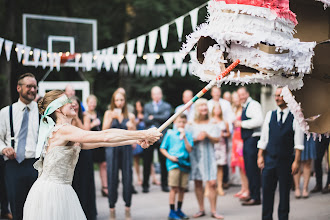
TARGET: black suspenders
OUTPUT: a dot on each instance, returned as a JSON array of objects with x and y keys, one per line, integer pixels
[{"x": 12, "y": 134}]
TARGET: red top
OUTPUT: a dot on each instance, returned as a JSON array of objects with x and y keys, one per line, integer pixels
[{"x": 280, "y": 7}]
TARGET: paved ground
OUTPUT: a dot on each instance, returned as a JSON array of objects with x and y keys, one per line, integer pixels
[{"x": 154, "y": 205}]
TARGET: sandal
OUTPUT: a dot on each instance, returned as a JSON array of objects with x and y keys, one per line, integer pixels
[
  {"x": 104, "y": 192},
  {"x": 216, "y": 216},
  {"x": 199, "y": 214},
  {"x": 238, "y": 194}
]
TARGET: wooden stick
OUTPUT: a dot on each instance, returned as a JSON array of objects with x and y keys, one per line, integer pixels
[{"x": 200, "y": 94}]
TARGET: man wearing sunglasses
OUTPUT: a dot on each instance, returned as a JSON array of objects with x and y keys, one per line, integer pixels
[{"x": 19, "y": 124}]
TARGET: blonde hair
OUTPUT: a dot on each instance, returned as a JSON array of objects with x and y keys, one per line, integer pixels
[
  {"x": 47, "y": 99},
  {"x": 113, "y": 106},
  {"x": 198, "y": 103},
  {"x": 91, "y": 96},
  {"x": 212, "y": 113}
]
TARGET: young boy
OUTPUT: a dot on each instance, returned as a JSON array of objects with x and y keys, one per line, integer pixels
[{"x": 176, "y": 146}]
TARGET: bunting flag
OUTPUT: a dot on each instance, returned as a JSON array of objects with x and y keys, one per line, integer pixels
[
  {"x": 140, "y": 45},
  {"x": 164, "y": 35},
  {"x": 121, "y": 49},
  {"x": 143, "y": 70},
  {"x": 168, "y": 59},
  {"x": 137, "y": 68},
  {"x": 8, "y": 46},
  {"x": 57, "y": 61},
  {"x": 178, "y": 59},
  {"x": 116, "y": 59},
  {"x": 152, "y": 40},
  {"x": 130, "y": 46},
  {"x": 107, "y": 61},
  {"x": 179, "y": 27},
  {"x": 184, "y": 69},
  {"x": 36, "y": 56},
  {"x": 20, "y": 48},
  {"x": 87, "y": 59},
  {"x": 193, "y": 18},
  {"x": 43, "y": 58},
  {"x": 51, "y": 59},
  {"x": 99, "y": 60},
  {"x": 27, "y": 50},
  {"x": 1, "y": 43},
  {"x": 151, "y": 60},
  {"x": 131, "y": 61},
  {"x": 110, "y": 51}
]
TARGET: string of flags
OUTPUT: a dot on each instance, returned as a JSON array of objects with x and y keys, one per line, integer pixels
[{"x": 108, "y": 59}]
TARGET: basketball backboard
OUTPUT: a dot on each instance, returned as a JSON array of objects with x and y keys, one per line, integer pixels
[{"x": 61, "y": 36}]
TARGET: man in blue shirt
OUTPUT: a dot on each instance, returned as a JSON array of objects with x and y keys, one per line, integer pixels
[{"x": 176, "y": 146}]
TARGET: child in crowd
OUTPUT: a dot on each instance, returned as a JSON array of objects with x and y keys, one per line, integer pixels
[{"x": 176, "y": 146}]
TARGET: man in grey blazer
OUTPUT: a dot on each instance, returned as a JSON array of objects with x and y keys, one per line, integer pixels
[{"x": 156, "y": 113}]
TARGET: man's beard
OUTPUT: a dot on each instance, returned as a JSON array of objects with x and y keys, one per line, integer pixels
[{"x": 26, "y": 96}]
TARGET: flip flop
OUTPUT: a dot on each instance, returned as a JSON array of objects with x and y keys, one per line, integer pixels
[
  {"x": 216, "y": 216},
  {"x": 199, "y": 214}
]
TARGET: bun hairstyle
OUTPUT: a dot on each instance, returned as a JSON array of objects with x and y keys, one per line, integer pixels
[{"x": 47, "y": 99}]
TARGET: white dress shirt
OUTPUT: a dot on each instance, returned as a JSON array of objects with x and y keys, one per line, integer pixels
[
  {"x": 254, "y": 112},
  {"x": 227, "y": 111},
  {"x": 298, "y": 133},
  {"x": 32, "y": 135}
]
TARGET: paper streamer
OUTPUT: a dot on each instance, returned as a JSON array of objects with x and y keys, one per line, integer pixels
[
  {"x": 36, "y": 57},
  {"x": 179, "y": 27},
  {"x": 168, "y": 59},
  {"x": 20, "y": 48},
  {"x": 164, "y": 35},
  {"x": 193, "y": 18},
  {"x": 8, "y": 46},
  {"x": 130, "y": 46},
  {"x": 131, "y": 61},
  {"x": 140, "y": 45},
  {"x": 152, "y": 40}
]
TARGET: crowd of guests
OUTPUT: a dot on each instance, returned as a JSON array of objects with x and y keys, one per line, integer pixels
[{"x": 209, "y": 142}]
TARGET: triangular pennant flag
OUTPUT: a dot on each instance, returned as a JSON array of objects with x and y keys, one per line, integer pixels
[
  {"x": 110, "y": 51},
  {"x": 19, "y": 49},
  {"x": 163, "y": 70},
  {"x": 143, "y": 71},
  {"x": 116, "y": 59},
  {"x": 137, "y": 68},
  {"x": 154, "y": 71},
  {"x": 131, "y": 61},
  {"x": 27, "y": 50},
  {"x": 51, "y": 60},
  {"x": 57, "y": 61},
  {"x": 178, "y": 60},
  {"x": 104, "y": 52},
  {"x": 153, "y": 40},
  {"x": 36, "y": 56},
  {"x": 164, "y": 35},
  {"x": 168, "y": 59},
  {"x": 121, "y": 49},
  {"x": 99, "y": 60},
  {"x": 193, "y": 16},
  {"x": 130, "y": 46},
  {"x": 8, "y": 46},
  {"x": 140, "y": 45},
  {"x": 184, "y": 69},
  {"x": 151, "y": 60},
  {"x": 1, "y": 43},
  {"x": 87, "y": 59},
  {"x": 107, "y": 62},
  {"x": 44, "y": 59},
  {"x": 179, "y": 26},
  {"x": 76, "y": 61}
]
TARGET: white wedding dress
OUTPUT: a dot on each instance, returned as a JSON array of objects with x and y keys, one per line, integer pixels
[{"x": 52, "y": 196}]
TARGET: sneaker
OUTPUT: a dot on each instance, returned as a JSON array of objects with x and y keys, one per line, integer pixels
[
  {"x": 181, "y": 214},
  {"x": 173, "y": 216}
]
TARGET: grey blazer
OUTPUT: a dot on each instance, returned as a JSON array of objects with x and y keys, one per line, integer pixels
[{"x": 164, "y": 112}]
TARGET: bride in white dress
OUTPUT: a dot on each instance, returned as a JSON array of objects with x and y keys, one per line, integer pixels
[{"x": 52, "y": 196}]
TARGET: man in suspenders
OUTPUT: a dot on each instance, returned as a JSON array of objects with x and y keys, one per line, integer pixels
[
  {"x": 251, "y": 121},
  {"x": 280, "y": 135},
  {"x": 19, "y": 124}
]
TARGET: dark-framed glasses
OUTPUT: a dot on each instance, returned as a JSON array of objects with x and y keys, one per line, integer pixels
[{"x": 29, "y": 86}]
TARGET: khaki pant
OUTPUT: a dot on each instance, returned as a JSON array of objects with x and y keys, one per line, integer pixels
[{"x": 178, "y": 178}]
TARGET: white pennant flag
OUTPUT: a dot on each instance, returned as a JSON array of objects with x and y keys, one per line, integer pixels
[
  {"x": 164, "y": 35},
  {"x": 168, "y": 58},
  {"x": 131, "y": 61},
  {"x": 121, "y": 49},
  {"x": 184, "y": 69},
  {"x": 110, "y": 51},
  {"x": 163, "y": 70},
  {"x": 36, "y": 56},
  {"x": 99, "y": 60},
  {"x": 151, "y": 60},
  {"x": 57, "y": 61},
  {"x": 116, "y": 59},
  {"x": 137, "y": 68},
  {"x": 20, "y": 48},
  {"x": 190, "y": 68},
  {"x": 193, "y": 16},
  {"x": 107, "y": 62},
  {"x": 1, "y": 43},
  {"x": 140, "y": 45},
  {"x": 8, "y": 46},
  {"x": 130, "y": 46},
  {"x": 87, "y": 59},
  {"x": 27, "y": 50},
  {"x": 179, "y": 26},
  {"x": 178, "y": 60},
  {"x": 51, "y": 60},
  {"x": 104, "y": 52},
  {"x": 76, "y": 61},
  {"x": 44, "y": 59},
  {"x": 153, "y": 40},
  {"x": 143, "y": 70}
]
